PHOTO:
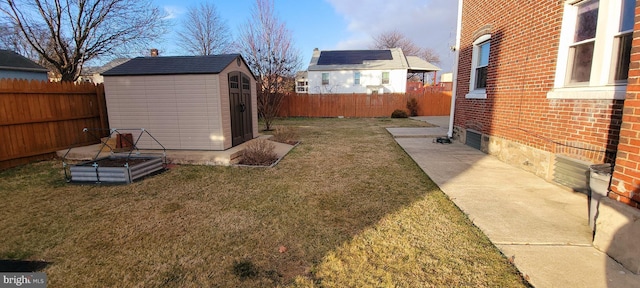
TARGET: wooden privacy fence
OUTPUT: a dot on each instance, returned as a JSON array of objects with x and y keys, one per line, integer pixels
[
  {"x": 38, "y": 118},
  {"x": 430, "y": 103}
]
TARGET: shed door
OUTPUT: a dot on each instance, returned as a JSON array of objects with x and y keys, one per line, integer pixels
[{"x": 240, "y": 105}]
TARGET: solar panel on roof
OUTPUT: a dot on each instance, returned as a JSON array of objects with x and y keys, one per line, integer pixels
[{"x": 350, "y": 57}]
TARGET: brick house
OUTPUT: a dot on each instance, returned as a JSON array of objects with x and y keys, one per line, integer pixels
[{"x": 553, "y": 87}]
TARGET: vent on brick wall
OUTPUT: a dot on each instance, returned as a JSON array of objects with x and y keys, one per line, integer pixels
[
  {"x": 572, "y": 173},
  {"x": 473, "y": 139}
]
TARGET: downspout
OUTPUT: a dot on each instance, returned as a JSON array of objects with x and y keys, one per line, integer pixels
[{"x": 455, "y": 70}]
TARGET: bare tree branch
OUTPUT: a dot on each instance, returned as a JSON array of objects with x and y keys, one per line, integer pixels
[
  {"x": 204, "y": 32},
  {"x": 267, "y": 45},
  {"x": 81, "y": 30},
  {"x": 395, "y": 39}
]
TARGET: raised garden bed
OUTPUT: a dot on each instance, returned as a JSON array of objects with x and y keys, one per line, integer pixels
[{"x": 115, "y": 169}]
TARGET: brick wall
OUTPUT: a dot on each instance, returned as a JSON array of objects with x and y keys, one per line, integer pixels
[
  {"x": 521, "y": 70},
  {"x": 625, "y": 185}
]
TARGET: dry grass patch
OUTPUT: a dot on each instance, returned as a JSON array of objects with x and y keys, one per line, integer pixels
[
  {"x": 348, "y": 205},
  {"x": 286, "y": 134}
]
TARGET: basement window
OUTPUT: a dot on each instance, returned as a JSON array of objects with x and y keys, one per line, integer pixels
[
  {"x": 572, "y": 173},
  {"x": 473, "y": 139}
]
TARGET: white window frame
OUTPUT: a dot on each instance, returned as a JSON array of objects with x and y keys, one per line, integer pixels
[
  {"x": 601, "y": 84},
  {"x": 357, "y": 76},
  {"x": 322, "y": 80},
  {"x": 388, "y": 79},
  {"x": 479, "y": 93}
]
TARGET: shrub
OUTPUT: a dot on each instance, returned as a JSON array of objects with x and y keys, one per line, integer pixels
[
  {"x": 287, "y": 135},
  {"x": 412, "y": 105},
  {"x": 260, "y": 152},
  {"x": 399, "y": 114}
]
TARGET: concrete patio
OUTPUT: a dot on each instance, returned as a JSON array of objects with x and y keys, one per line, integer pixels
[{"x": 543, "y": 228}]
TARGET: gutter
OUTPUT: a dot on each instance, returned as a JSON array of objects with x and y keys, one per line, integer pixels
[{"x": 455, "y": 70}]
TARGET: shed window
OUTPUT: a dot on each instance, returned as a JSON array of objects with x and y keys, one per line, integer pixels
[
  {"x": 233, "y": 82},
  {"x": 245, "y": 83}
]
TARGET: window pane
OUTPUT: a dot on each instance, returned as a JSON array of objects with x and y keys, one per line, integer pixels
[
  {"x": 582, "y": 59},
  {"x": 624, "y": 56},
  {"x": 385, "y": 77},
  {"x": 481, "y": 77},
  {"x": 626, "y": 18},
  {"x": 587, "y": 20},
  {"x": 325, "y": 78},
  {"x": 483, "y": 50},
  {"x": 356, "y": 78}
]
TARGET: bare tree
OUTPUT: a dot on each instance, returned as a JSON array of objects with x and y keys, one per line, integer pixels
[
  {"x": 204, "y": 32},
  {"x": 267, "y": 45},
  {"x": 430, "y": 56},
  {"x": 395, "y": 39},
  {"x": 11, "y": 39},
  {"x": 80, "y": 30}
]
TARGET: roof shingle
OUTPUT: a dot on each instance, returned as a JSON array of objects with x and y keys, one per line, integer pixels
[
  {"x": 14, "y": 61},
  {"x": 212, "y": 64}
]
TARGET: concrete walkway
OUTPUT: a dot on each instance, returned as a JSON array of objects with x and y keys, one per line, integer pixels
[{"x": 542, "y": 227}]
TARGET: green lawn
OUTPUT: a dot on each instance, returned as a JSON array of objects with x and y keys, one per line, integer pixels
[{"x": 346, "y": 208}]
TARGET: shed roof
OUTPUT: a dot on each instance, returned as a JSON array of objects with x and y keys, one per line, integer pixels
[
  {"x": 171, "y": 65},
  {"x": 13, "y": 61}
]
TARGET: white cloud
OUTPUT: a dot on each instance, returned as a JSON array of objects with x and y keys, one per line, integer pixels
[
  {"x": 173, "y": 12},
  {"x": 429, "y": 23}
]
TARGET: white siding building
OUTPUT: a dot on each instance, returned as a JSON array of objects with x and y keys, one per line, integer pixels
[{"x": 361, "y": 71}]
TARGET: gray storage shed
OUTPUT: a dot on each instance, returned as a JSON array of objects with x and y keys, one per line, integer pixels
[{"x": 185, "y": 102}]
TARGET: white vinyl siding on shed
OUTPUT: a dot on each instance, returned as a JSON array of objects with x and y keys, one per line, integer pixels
[{"x": 180, "y": 111}]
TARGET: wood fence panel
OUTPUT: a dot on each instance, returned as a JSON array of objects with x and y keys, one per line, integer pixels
[
  {"x": 38, "y": 118},
  {"x": 431, "y": 102}
]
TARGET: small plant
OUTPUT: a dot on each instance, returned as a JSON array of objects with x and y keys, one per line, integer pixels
[
  {"x": 412, "y": 105},
  {"x": 260, "y": 152},
  {"x": 287, "y": 135},
  {"x": 399, "y": 114}
]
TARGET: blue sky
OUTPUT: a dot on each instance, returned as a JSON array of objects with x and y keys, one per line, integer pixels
[{"x": 337, "y": 24}]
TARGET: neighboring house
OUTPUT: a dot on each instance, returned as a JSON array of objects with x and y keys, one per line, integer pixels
[
  {"x": 302, "y": 82},
  {"x": 94, "y": 74},
  {"x": 185, "y": 102},
  {"x": 15, "y": 66},
  {"x": 446, "y": 81},
  {"x": 362, "y": 71},
  {"x": 547, "y": 87}
]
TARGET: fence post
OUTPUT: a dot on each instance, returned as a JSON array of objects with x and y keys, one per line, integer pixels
[{"x": 102, "y": 107}]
